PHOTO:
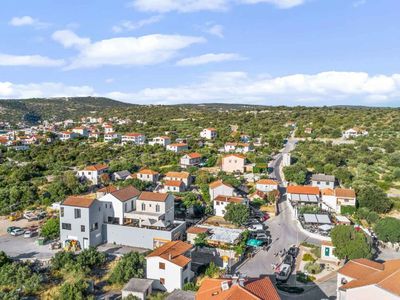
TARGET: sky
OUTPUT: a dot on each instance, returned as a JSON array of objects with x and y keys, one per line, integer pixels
[{"x": 270, "y": 52}]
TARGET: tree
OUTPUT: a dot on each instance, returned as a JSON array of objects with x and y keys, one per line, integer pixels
[
  {"x": 350, "y": 243},
  {"x": 76, "y": 290},
  {"x": 19, "y": 276},
  {"x": 296, "y": 173},
  {"x": 91, "y": 258},
  {"x": 190, "y": 199},
  {"x": 4, "y": 259},
  {"x": 51, "y": 229},
  {"x": 130, "y": 265},
  {"x": 61, "y": 259},
  {"x": 388, "y": 229},
  {"x": 212, "y": 270},
  {"x": 373, "y": 198},
  {"x": 201, "y": 239},
  {"x": 237, "y": 213}
]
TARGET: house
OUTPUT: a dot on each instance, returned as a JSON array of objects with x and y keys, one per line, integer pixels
[
  {"x": 334, "y": 199},
  {"x": 93, "y": 173},
  {"x": 267, "y": 185},
  {"x": 208, "y": 133},
  {"x": 190, "y": 160},
  {"x": 179, "y": 176},
  {"x": 94, "y": 135},
  {"x": 111, "y": 136},
  {"x": 173, "y": 186},
  {"x": 117, "y": 203},
  {"x": 233, "y": 163},
  {"x": 67, "y": 135},
  {"x": 244, "y": 138},
  {"x": 193, "y": 232},
  {"x": 327, "y": 250},
  {"x": 108, "y": 128},
  {"x": 170, "y": 266},
  {"x": 323, "y": 181},
  {"x": 80, "y": 221},
  {"x": 302, "y": 195},
  {"x": 148, "y": 175},
  {"x": 366, "y": 279},
  {"x": 82, "y": 131},
  {"x": 133, "y": 138},
  {"x": 177, "y": 147},
  {"x": 161, "y": 140},
  {"x": 219, "y": 188},
  {"x": 237, "y": 288},
  {"x": 308, "y": 130},
  {"x": 221, "y": 202},
  {"x": 121, "y": 175},
  {"x": 354, "y": 132},
  {"x": 238, "y": 147},
  {"x": 138, "y": 287},
  {"x": 105, "y": 190}
]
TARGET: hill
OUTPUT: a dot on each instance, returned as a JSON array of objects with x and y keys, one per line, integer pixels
[{"x": 57, "y": 109}]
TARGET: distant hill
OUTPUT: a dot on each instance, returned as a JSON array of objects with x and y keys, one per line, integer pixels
[{"x": 57, "y": 109}]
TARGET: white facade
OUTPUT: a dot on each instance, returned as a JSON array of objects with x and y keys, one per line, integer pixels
[
  {"x": 179, "y": 176},
  {"x": 81, "y": 131},
  {"x": 266, "y": 187},
  {"x": 92, "y": 174},
  {"x": 189, "y": 160},
  {"x": 147, "y": 176},
  {"x": 221, "y": 190},
  {"x": 353, "y": 133},
  {"x": 155, "y": 210},
  {"x": 286, "y": 159},
  {"x": 111, "y": 136},
  {"x": 114, "y": 210},
  {"x": 65, "y": 136},
  {"x": 160, "y": 140},
  {"x": 220, "y": 204},
  {"x": 135, "y": 138},
  {"x": 329, "y": 203},
  {"x": 177, "y": 147},
  {"x": 233, "y": 163},
  {"x": 208, "y": 133}
]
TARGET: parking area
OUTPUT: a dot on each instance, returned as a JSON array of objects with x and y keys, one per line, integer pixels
[{"x": 19, "y": 247}]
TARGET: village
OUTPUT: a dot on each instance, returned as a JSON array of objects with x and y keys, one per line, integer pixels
[{"x": 266, "y": 236}]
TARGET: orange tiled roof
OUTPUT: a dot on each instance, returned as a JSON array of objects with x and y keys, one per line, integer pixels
[
  {"x": 173, "y": 252},
  {"x": 79, "y": 201},
  {"x": 229, "y": 199},
  {"x": 303, "y": 189},
  {"x": 178, "y": 145},
  {"x": 345, "y": 193},
  {"x": 134, "y": 134},
  {"x": 259, "y": 289},
  {"x": 218, "y": 183},
  {"x": 126, "y": 193},
  {"x": 107, "y": 189},
  {"x": 194, "y": 155},
  {"x": 235, "y": 155},
  {"x": 328, "y": 192},
  {"x": 183, "y": 175},
  {"x": 176, "y": 183},
  {"x": 196, "y": 230},
  {"x": 150, "y": 196},
  {"x": 267, "y": 181},
  {"x": 147, "y": 172},
  {"x": 385, "y": 275},
  {"x": 97, "y": 167}
]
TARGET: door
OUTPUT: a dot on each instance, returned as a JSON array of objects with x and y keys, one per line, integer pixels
[{"x": 85, "y": 243}]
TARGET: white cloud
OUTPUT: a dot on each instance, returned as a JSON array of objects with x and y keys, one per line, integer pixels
[
  {"x": 125, "y": 51},
  {"x": 185, "y": 6},
  {"x": 27, "y": 21},
  {"x": 29, "y": 61},
  {"x": 359, "y": 3},
  {"x": 11, "y": 90},
  {"x": 326, "y": 88},
  {"x": 129, "y": 25},
  {"x": 209, "y": 58},
  {"x": 69, "y": 39},
  {"x": 215, "y": 29}
]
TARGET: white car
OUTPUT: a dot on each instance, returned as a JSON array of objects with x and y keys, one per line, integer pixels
[
  {"x": 255, "y": 227},
  {"x": 17, "y": 232},
  {"x": 30, "y": 233}
]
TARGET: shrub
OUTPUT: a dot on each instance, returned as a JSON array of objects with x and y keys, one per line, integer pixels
[
  {"x": 388, "y": 230},
  {"x": 347, "y": 210},
  {"x": 190, "y": 286},
  {"x": 350, "y": 243},
  {"x": 130, "y": 265},
  {"x": 237, "y": 213},
  {"x": 212, "y": 270},
  {"x": 301, "y": 277},
  {"x": 308, "y": 257},
  {"x": 313, "y": 268},
  {"x": 51, "y": 229}
]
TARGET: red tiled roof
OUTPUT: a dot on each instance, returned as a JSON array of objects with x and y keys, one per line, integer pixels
[
  {"x": 173, "y": 252},
  {"x": 150, "y": 196},
  {"x": 126, "y": 193},
  {"x": 133, "y": 134},
  {"x": 345, "y": 193},
  {"x": 176, "y": 183},
  {"x": 196, "y": 230},
  {"x": 229, "y": 199},
  {"x": 328, "y": 192},
  {"x": 107, "y": 189},
  {"x": 267, "y": 181},
  {"x": 194, "y": 155},
  {"x": 235, "y": 155},
  {"x": 97, "y": 167},
  {"x": 303, "y": 189},
  {"x": 178, "y": 145},
  {"x": 182, "y": 175},
  {"x": 79, "y": 201},
  {"x": 218, "y": 183},
  {"x": 147, "y": 172}
]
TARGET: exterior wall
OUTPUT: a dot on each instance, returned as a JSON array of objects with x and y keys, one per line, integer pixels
[
  {"x": 208, "y": 134},
  {"x": 266, "y": 187},
  {"x": 327, "y": 253},
  {"x": 177, "y": 148},
  {"x": 166, "y": 208},
  {"x": 345, "y": 202},
  {"x": 89, "y": 216},
  {"x": 140, "y": 237},
  {"x": 222, "y": 190},
  {"x": 323, "y": 184},
  {"x": 139, "y": 139},
  {"x": 186, "y": 181},
  {"x": 366, "y": 292},
  {"x": 174, "y": 276},
  {"x": 174, "y": 189},
  {"x": 187, "y": 161},
  {"x": 286, "y": 159},
  {"x": 329, "y": 203},
  {"x": 220, "y": 208},
  {"x": 139, "y": 295},
  {"x": 160, "y": 141},
  {"x": 147, "y": 177},
  {"x": 229, "y": 148},
  {"x": 232, "y": 164},
  {"x": 113, "y": 208}
]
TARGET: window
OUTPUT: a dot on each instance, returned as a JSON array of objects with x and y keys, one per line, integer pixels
[
  {"x": 62, "y": 211},
  {"x": 143, "y": 206},
  {"x": 77, "y": 213},
  {"x": 131, "y": 205},
  {"x": 66, "y": 226},
  {"x": 95, "y": 226},
  {"x": 318, "y": 182},
  {"x": 126, "y": 206},
  {"x": 162, "y": 281},
  {"x": 327, "y": 183},
  {"x": 161, "y": 266},
  {"x": 157, "y": 208},
  {"x": 82, "y": 228},
  {"x": 186, "y": 280}
]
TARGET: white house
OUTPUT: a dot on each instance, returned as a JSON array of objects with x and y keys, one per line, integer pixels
[
  {"x": 92, "y": 173},
  {"x": 238, "y": 147},
  {"x": 266, "y": 185},
  {"x": 117, "y": 203},
  {"x": 67, "y": 135},
  {"x": 354, "y": 132},
  {"x": 111, "y": 136},
  {"x": 173, "y": 186},
  {"x": 333, "y": 199},
  {"x": 121, "y": 175},
  {"x": 369, "y": 280},
  {"x": 327, "y": 250},
  {"x": 190, "y": 160},
  {"x": 208, "y": 133},
  {"x": 221, "y": 202},
  {"x": 81, "y": 131},
  {"x": 134, "y": 138},
  {"x": 323, "y": 181},
  {"x": 148, "y": 175},
  {"x": 233, "y": 163},
  {"x": 177, "y": 147},
  {"x": 160, "y": 140},
  {"x": 179, "y": 176},
  {"x": 108, "y": 128},
  {"x": 219, "y": 188},
  {"x": 170, "y": 266}
]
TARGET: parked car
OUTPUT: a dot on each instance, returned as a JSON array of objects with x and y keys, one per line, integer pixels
[
  {"x": 288, "y": 260},
  {"x": 11, "y": 229},
  {"x": 30, "y": 216},
  {"x": 41, "y": 215},
  {"x": 18, "y": 231},
  {"x": 261, "y": 236},
  {"x": 283, "y": 272},
  {"x": 293, "y": 251},
  {"x": 255, "y": 227},
  {"x": 30, "y": 233}
]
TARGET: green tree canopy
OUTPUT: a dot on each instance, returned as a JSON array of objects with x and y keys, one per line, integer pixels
[
  {"x": 51, "y": 229},
  {"x": 388, "y": 229},
  {"x": 349, "y": 243},
  {"x": 373, "y": 198},
  {"x": 237, "y": 213},
  {"x": 130, "y": 265}
]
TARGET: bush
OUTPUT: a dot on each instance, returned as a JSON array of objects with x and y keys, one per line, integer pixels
[
  {"x": 303, "y": 278},
  {"x": 372, "y": 217},
  {"x": 91, "y": 258},
  {"x": 237, "y": 213},
  {"x": 130, "y": 265},
  {"x": 388, "y": 230},
  {"x": 51, "y": 229},
  {"x": 61, "y": 259},
  {"x": 313, "y": 268},
  {"x": 350, "y": 243},
  {"x": 190, "y": 286},
  {"x": 347, "y": 210},
  {"x": 212, "y": 270},
  {"x": 308, "y": 257},
  {"x": 73, "y": 290}
]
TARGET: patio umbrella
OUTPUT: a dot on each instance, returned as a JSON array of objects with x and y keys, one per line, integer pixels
[{"x": 325, "y": 227}]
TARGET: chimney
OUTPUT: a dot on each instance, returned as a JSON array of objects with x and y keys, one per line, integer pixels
[{"x": 170, "y": 256}]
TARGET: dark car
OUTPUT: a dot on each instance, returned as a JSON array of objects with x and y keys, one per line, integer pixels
[
  {"x": 288, "y": 260},
  {"x": 293, "y": 251},
  {"x": 11, "y": 229}
]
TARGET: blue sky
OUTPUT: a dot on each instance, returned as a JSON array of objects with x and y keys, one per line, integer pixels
[{"x": 291, "y": 52}]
